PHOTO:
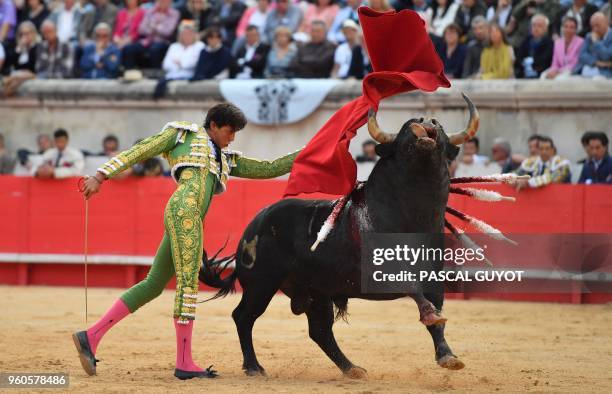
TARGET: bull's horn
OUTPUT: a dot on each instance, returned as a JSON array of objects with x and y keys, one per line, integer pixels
[
  {"x": 472, "y": 126},
  {"x": 375, "y": 132}
]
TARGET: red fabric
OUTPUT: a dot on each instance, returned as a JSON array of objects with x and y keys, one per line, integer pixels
[{"x": 403, "y": 59}]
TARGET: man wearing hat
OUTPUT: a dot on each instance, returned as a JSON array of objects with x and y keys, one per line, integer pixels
[{"x": 350, "y": 60}]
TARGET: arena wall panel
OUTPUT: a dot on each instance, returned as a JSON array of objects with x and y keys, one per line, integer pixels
[{"x": 42, "y": 226}]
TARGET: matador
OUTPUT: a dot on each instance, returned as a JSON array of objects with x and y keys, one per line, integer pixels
[{"x": 201, "y": 167}]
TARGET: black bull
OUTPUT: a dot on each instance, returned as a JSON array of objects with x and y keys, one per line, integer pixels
[{"x": 407, "y": 192}]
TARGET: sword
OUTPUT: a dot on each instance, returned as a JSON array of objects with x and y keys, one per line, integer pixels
[{"x": 86, "y": 241}]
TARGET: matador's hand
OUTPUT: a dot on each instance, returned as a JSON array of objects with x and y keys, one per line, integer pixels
[{"x": 92, "y": 185}]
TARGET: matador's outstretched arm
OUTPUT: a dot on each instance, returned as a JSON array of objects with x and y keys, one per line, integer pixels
[
  {"x": 263, "y": 169},
  {"x": 145, "y": 149}
]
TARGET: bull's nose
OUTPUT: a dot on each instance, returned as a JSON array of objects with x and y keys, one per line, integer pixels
[{"x": 418, "y": 130}]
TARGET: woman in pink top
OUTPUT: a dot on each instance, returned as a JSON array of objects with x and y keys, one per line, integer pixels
[
  {"x": 323, "y": 10},
  {"x": 126, "y": 25},
  {"x": 254, "y": 15},
  {"x": 566, "y": 51}
]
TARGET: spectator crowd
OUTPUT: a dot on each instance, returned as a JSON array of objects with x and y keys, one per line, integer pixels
[
  {"x": 542, "y": 162},
  {"x": 54, "y": 157},
  {"x": 207, "y": 39}
]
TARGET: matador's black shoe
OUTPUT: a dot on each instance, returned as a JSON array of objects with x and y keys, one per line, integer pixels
[
  {"x": 184, "y": 375},
  {"x": 88, "y": 360}
]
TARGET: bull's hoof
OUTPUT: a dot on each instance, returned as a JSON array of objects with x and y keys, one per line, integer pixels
[
  {"x": 451, "y": 362},
  {"x": 356, "y": 373},
  {"x": 433, "y": 318},
  {"x": 257, "y": 370}
]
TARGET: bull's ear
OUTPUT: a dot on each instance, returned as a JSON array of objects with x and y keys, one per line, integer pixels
[
  {"x": 451, "y": 151},
  {"x": 385, "y": 150}
]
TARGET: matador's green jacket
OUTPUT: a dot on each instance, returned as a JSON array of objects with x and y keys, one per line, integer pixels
[{"x": 185, "y": 144}]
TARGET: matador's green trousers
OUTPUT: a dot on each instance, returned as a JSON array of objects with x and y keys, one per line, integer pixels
[{"x": 181, "y": 248}]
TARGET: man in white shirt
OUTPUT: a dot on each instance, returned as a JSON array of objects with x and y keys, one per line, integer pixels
[
  {"x": 66, "y": 18},
  {"x": 343, "y": 57},
  {"x": 61, "y": 161},
  {"x": 182, "y": 56}
]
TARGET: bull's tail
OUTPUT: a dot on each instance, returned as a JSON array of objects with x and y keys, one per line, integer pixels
[{"x": 211, "y": 271}]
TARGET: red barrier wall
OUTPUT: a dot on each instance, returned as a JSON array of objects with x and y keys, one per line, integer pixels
[{"x": 47, "y": 217}]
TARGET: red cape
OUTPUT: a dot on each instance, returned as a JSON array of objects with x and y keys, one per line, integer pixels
[{"x": 403, "y": 59}]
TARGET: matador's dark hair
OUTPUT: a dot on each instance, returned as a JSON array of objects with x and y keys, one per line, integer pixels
[{"x": 225, "y": 114}]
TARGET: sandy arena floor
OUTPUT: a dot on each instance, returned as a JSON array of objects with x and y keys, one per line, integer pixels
[{"x": 507, "y": 347}]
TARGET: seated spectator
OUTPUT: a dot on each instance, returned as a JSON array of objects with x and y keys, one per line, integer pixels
[
  {"x": 250, "y": 60},
  {"x": 8, "y": 23},
  {"x": 25, "y": 51},
  {"x": 607, "y": 10},
  {"x": 314, "y": 59},
  {"x": 156, "y": 31},
  {"x": 501, "y": 152},
  {"x": 350, "y": 59},
  {"x": 103, "y": 11},
  {"x": 598, "y": 167},
  {"x": 101, "y": 59},
  {"x": 147, "y": 168},
  {"x": 348, "y": 12},
  {"x": 533, "y": 143},
  {"x": 214, "y": 59},
  {"x": 444, "y": 13},
  {"x": 281, "y": 54},
  {"x": 22, "y": 63},
  {"x": 182, "y": 56},
  {"x": 584, "y": 141},
  {"x": 285, "y": 14},
  {"x": 61, "y": 161},
  {"x": 595, "y": 58},
  {"x": 127, "y": 24},
  {"x": 53, "y": 58},
  {"x": 566, "y": 51},
  {"x": 198, "y": 11},
  {"x": 380, "y": 5},
  {"x": 470, "y": 163},
  {"x": 36, "y": 11},
  {"x": 497, "y": 58},
  {"x": 581, "y": 11},
  {"x": 67, "y": 17},
  {"x": 520, "y": 21},
  {"x": 7, "y": 161},
  {"x": 110, "y": 146},
  {"x": 367, "y": 160},
  {"x": 469, "y": 10},
  {"x": 536, "y": 52},
  {"x": 501, "y": 13},
  {"x": 321, "y": 10},
  {"x": 254, "y": 16},
  {"x": 226, "y": 16},
  {"x": 422, "y": 8},
  {"x": 472, "y": 148},
  {"x": 368, "y": 152},
  {"x": 474, "y": 48},
  {"x": 43, "y": 142},
  {"x": 544, "y": 169},
  {"x": 453, "y": 52}
]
